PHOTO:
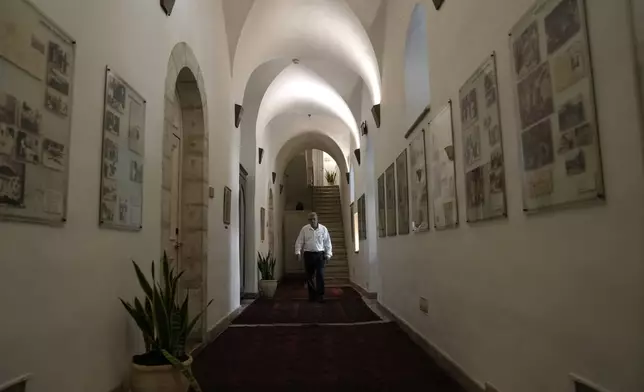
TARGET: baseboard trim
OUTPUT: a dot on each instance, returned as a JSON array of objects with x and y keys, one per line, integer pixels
[
  {"x": 363, "y": 291},
  {"x": 217, "y": 330},
  {"x": 443, "y": 360}
]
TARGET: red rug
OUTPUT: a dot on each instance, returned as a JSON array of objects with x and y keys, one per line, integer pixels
[
  {"x": 265, "y": 311},
  {"x": 373, "y": 357},
  {"x": 343, "y": 305}
]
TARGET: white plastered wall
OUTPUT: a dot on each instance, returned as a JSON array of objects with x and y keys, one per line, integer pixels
[
  {"x": 59, "y": 287},
  {"x": 525, "y": 301}
]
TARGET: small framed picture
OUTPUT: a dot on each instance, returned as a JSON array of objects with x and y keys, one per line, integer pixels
[
  {"x": 262, "y": 222},
  {"x": 227, "y": 201}
]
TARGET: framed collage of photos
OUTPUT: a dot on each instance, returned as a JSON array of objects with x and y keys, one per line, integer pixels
[
  {"x": 36, "y": 86},
  {"x": 227, "y": 205},
  {"x": 382, "y": 209},
  {"x": 442, "y": 170},
  {"x": 554, "y": 94},
  {"x": 482, "y": 144},
  {"x": 390, "y": 192},
  {"x": 121, "y": 203},
  {"x": 418, "y": 183},
  {"x": 402, "y": 190},
  {"x": 362, "y": 218}
]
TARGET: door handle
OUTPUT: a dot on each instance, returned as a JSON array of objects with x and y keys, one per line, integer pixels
[{"x": 178, "y": 245}]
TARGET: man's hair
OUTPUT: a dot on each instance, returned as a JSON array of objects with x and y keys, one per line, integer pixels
[{"x": 312, "y": 214}]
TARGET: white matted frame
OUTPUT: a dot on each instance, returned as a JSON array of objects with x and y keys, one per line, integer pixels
[
  {"x": 484, "y": 160},
  {"x": 555, "y": 106},
  {"x": 122, "y": 158},
  {"x": 418, "y": 184},
  {"x": 36, "y": 98},
  {"x": 442, "y": 169}
]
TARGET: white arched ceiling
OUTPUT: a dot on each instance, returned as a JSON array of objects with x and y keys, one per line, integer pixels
[
  {"x": 288, "y": 126},
  {"x": 307, "y": 141},
  {"x": 299, "y": 90},
  {"x": 312, "y": 29}
]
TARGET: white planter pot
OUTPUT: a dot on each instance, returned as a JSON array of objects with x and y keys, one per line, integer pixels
[
  {"x": 164, "y": 378},
  {"x": 267, "y": 288}
]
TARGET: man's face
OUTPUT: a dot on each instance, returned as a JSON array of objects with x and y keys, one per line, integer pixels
[{"x": 313, "y": 220}]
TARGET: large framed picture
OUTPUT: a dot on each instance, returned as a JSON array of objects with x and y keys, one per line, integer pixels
[
  {"x": 402, "y": 185},
  {"x": 483, "y": 144},
  {"x": 382, "y": 209},
  {"x": 554, "y": 96},
  {"x": 36, "y": 88},
  {"x": 121, "y": 196},
  {"x": 418, "y": 184},
  {"x": 390, "y": 179},
  {"x": 442, "y": 171},
  {"x": 262, "y": 223},
  {"x": 362, "y": 218}
]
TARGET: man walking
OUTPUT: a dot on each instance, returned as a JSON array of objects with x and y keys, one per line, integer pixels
[{"x": 315, "y": 242}]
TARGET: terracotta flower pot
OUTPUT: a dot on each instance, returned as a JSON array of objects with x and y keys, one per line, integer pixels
[
  {"x": 267, "y": 288},
  {"x": 163, "y": 378}
]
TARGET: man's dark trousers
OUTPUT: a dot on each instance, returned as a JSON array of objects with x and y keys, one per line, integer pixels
[{"x": 314, "y": 266}]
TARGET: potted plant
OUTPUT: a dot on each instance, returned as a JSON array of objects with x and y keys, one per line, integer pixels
[
  {"x": 330, "y": 177},
  {"x": 164, "y": 323},
  {"x": 266, "y": 265}
]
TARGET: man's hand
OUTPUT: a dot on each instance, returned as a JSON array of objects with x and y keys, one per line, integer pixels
[{"x": 299, "y": 257}]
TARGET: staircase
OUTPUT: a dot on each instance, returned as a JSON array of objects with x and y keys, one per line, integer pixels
[{"x": 327, "y": 204}]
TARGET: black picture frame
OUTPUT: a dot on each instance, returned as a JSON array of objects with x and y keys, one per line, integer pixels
[{"x": 227, "y": 205}]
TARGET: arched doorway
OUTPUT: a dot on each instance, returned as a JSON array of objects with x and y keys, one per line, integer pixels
[
  {"x": 184, "y": 186},
  {"x": 242, "y": 229}
]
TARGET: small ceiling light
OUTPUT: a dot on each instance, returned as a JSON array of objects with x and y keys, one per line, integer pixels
[{"x": 296, "y": 61}]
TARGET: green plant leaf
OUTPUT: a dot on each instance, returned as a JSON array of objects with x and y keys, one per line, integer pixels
[
  {"x": 140, "y": 319},
  {"x": 186, "y": 371},
  {"x": 143, "y": 282},
  {"x": 162, "y": 320},
  {"x": 197, "y": 317}
]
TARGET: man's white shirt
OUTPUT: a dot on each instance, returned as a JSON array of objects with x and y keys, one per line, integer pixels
[{"x": 314, "y": 240}]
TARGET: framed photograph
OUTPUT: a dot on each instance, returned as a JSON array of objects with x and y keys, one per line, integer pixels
[
  {"x": 227, "y": 205},
  {"x": 362, "y": 215},
  {"x": 36, "y": 88},
  {"x": 382, "y": 208},
  {"x": 390, "y": 180},
  {"x": 352, "y": 209},
  {"x": 123, "y": 163},
  {"x": 262, "y": 223},
  {"x": 418, "y": 183},
  {"x": 402, "y": 188},
  {"x": 555, "y": 101},
  {"x": 482, "y": 138},
  {"x": 442, "y": 171}
]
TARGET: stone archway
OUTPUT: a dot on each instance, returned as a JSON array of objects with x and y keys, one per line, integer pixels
[{"x": 184, "y": 189}]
